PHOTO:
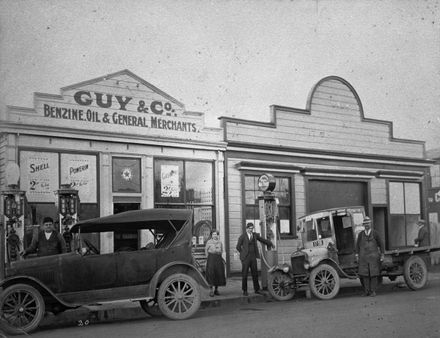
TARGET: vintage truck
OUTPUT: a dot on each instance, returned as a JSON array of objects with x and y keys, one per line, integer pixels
[{"x": 328, "y": 254}]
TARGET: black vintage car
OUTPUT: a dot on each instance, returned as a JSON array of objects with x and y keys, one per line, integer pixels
[{"x": 162, "y": 276}]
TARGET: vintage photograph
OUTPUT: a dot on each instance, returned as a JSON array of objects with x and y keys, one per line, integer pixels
[{"x": 221, "y": 168}]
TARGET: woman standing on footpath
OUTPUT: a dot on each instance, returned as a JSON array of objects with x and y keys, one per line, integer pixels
[{"x": 215, "y": 269}]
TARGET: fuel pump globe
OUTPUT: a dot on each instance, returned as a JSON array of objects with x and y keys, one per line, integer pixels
[{"x": 266, "y": 182}]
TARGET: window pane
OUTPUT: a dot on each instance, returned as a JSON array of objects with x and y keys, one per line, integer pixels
[
  {"x": 249, "y": 183},
  {"x": 324, "y": 228},
  {"x": 282, "y": 191},
  {"x": 412, "y": 198},
  {"x": 396, "y": 198},
  {"x": 199, "y": 182},
  {"x": 168, "y": 178},
  {"x": 396, "y": 231},
  {"x": 250, "y": 197}
]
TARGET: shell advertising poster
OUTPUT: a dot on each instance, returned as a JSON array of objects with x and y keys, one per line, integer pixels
[{"x": 39, "y": 175}]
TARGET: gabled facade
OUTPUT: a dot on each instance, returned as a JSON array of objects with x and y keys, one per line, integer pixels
[
  {"x": 328, "y": 155},
  {"x": 123, "y": 144}
]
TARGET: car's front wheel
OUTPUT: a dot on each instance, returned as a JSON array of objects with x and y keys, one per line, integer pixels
[
  {"x": 179, "y": 296},
  {"x": 279, "y": 285},
  {"x": 21, "y": 309},
  {"x": 324, "y": 281}
]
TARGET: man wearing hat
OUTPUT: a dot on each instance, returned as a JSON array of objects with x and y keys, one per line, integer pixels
[
  {"x": 46, "y": 242},
  {"x": 247, "y": 247},
  {"x": 369, "y": 253},
  {"x": 422, "y": 237}
]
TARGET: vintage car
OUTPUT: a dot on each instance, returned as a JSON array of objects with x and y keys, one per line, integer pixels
[
  {"x": 161, "y": 276},
  {"x": 328, "y": 254}
]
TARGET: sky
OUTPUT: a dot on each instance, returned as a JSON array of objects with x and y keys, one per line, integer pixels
[{"x": 233, "y": 57}]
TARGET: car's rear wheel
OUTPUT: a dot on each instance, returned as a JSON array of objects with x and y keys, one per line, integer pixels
[
  {"x": 415, "y": 272},
  {"x": 179, "y": 296},
  {"x": 324, "y": 281},
  {"x": 21, "y": 309},
  {"x": 151, "y": 307},
  {"x": 279, "y": 285}
]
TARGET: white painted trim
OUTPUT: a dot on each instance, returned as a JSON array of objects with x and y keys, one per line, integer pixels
[
  {"x": 327, "y": 157},
  {"x": 269, "y": 169},
  {"x": 338, "y": 175}
]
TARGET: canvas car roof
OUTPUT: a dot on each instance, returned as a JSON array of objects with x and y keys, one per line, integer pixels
[{"x": 159, "y": 219}]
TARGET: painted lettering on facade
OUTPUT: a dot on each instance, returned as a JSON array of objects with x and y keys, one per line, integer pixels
[{"x": 118, "y": 118}]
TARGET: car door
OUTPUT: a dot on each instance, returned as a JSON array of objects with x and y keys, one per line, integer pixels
[{"x": 89, "y": 272}]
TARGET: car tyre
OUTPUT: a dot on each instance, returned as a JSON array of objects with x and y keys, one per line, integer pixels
[
  {"x": 279, "y": 285},
  {"x": 179, "y": 296},
  {"x": 151, "y": 307},
  {"x": 415, "y": 272},
  {"x": 324, "y": 282},
  {"x": 21, "y": 309}
]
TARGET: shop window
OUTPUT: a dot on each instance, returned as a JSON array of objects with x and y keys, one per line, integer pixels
[
  {"x": 405, "y": 210},
  {"x": 282, "y": 193},
  {"x": 186, "y": 184},
  {"x": 435, "y": 176},
  {"x": 126, "y": 175}
]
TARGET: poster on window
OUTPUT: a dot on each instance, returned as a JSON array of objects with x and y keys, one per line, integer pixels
[
  {"x": 126, "y": 175},
  {"x": 169, "y": 181},
  {"x": 39, "y": 176},
  {"x": 79, "y": 171}
]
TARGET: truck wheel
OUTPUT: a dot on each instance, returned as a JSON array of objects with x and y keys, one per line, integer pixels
[
  {"x": 280, "y": 286},
  {"x": 151, "y": 307},
  {"x": 415, "y": 272},
  {"x": 324, "y": 282},
  {"x": 179, "y": 296},
  {"x": 21, "y": 309}
]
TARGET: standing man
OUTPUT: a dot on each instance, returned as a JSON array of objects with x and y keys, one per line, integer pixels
[
  {"x": 422, "y": 236},
  {"x": 247, "y": 247},
  {"x": 46, "y": 242},
  {"x": 369, "y": 254}
]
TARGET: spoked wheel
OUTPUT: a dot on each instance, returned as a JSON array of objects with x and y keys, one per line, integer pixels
[
  {"x": 415, "y": 272},
  {"x": 324, "y": 281},
  {"x": 280, "y": 286},
  {"x": 179, "y": 296},
  {"x": 21, "y": 309},
  {"x": 151, "y": 307}
]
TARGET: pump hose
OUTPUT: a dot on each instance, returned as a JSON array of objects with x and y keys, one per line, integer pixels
[{"x": 263, "y": 258}]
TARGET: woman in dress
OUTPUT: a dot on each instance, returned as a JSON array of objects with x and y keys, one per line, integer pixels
[{"x": 215, "y": 269}]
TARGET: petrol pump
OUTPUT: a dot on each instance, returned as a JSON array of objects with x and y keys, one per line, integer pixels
[
  {"x": 14, "y": 201},
  {"x": 68, "y": 206},
  {"x": 268, "y": 209}
]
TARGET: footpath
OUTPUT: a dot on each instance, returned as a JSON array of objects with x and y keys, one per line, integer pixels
[{"x": 230, "y": 296}]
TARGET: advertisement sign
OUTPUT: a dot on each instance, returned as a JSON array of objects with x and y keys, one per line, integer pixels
[
  {"x": 39, "y": 175},
  {"x": 126, "y": 175},
  {"x": 169, "y": 181},
  {"x": 79, "y": 171}
]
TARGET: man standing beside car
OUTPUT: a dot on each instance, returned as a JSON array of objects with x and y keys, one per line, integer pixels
[
  {"x": 369, "y": 254},
  {"x": 248, "y": 249},
  {"x": 46, "y": 242}
]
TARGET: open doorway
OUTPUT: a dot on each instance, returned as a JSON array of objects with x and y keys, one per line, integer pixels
[{"x": 125, "y": 240}]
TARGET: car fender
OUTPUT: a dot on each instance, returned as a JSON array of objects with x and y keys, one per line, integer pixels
[
  {"x": 44, "y": 290},
  {"x": 172, "y": 268}
]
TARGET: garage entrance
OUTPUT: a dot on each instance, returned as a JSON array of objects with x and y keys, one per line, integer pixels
[{"x": 325, "y": 194}]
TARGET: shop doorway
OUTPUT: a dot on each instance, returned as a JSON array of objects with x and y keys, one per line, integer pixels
[{"x": 125, "y": 240}]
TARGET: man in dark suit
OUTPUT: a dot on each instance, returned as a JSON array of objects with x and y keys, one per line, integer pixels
[
  {"x": 46, "y": 242},
  {"x": 248, "y": 249}
]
